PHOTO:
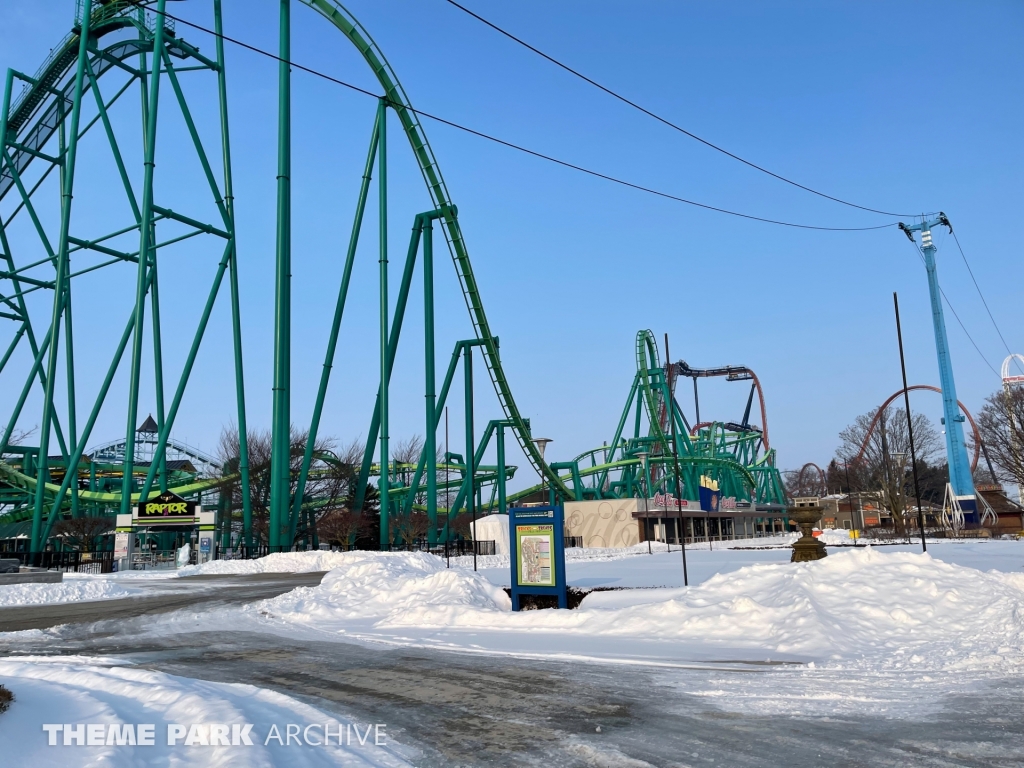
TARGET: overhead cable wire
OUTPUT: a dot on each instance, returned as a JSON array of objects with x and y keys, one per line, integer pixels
[
  {"x": 920, "y": 255},
  {"x": 666, "y": 121},
  {"x": 982, "y": 296},
  {"x": 525, "y": 150}
]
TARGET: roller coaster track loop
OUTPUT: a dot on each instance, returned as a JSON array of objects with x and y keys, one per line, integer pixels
[
  {"x": 654, "y": 389},
  {"x": 397, "y": 99},
  {"x": 801, "y": 478},
  {"x": 928, "y": 387}
]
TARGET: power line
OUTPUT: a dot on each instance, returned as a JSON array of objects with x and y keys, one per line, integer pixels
[
  {"x": 525, "y": 150},
  {"x": 663, "y": 120},
  {"x": 920, "y": 255},
  {"x": 980, "y": 294}
]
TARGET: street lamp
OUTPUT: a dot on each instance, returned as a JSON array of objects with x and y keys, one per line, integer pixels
[
  {"x": 542, "y": 443},
  {"x": 643, "y": 468}
]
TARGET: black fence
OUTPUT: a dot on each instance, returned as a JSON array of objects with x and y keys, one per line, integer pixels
[
  {"x": 573, "y": 541},
  {"x": 451, "y": 549},
  {"x": 68, "y": 562},
  {"x": 463, "y": 547}
]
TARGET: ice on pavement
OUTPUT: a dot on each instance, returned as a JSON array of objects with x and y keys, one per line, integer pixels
[
  {"x": 12, "y": 595},
  {"x": 71, "y": 689},
  {"x": 898, "y": 609}
]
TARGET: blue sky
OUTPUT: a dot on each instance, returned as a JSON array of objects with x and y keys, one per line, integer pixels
[{"x": 899, "y": 106}]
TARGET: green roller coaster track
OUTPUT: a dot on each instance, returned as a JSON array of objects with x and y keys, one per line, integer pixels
[{"x": 41, "y": 132}]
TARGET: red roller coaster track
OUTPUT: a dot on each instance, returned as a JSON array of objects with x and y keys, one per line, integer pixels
[{"x": 930, "y": 388}]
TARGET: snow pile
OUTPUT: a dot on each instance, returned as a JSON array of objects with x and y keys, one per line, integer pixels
[
  {"x": 65, "y": 592},
  {"x": 904, "y": 609},
  {"x": 279, "y": 562},
  {"x": 388, "y": 588},
  {"x": 73, "y": 689},
  {"x": 899, "y": 609}
]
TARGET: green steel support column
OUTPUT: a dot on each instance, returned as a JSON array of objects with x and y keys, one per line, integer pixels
[
  {"x": 467, "y": 369},
  {"x": 69, "y": 356},
  {"x": 280, "y": 462},
  {"x": 94, "y": 414},
  {"x": 158, "y": 358},
  {"x": 67, "y": 190},
  {"x": 36, "y": 365},
  {"x": 13, "y": 345},
  {"x": 94, "y": 86},
  {"x": 441, "y": 399},
  {"x": 396, "y": 332},
  {"x": 502, "y": 503},
  {"x": 236, "y": 315},
  {"x": 430, "y": 446},
  {"x": 332, "y": 341},
  {"x": 161, "y": 449},
  {"x": 69, "y": 345},
  {"x": 144, "y": 247},
  {"x": 385, "y": 373}
]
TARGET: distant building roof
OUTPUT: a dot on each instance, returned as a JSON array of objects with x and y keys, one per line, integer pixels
[{"x": 148, "y": 426}]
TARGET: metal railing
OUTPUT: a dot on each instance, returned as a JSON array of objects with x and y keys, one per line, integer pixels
[{"x": 66, "y": 562}]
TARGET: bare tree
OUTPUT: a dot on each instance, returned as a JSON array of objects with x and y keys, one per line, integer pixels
[
  {"x": 339, "y": 526},
  {"x": 81, "y": 532},
  {"x": 17, "y": 436},
  {"x": 1001, "y": 423},
  {"x": 879, "y": 459},
  {"x": 328, "y": 479}
]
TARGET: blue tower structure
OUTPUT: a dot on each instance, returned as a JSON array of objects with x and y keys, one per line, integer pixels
[{"x": 956, "y": 448}]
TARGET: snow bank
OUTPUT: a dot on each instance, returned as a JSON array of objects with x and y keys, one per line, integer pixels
[
  {"x": 279, "y": 562},
  {"x": 388, "y": 587},
  {"x": 65, "y": 592},
  {"x": 97, "y": 690},
  {"x": 900, "y": 609}
]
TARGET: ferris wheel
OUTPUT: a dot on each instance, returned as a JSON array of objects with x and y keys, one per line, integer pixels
[{"x": 1008, "y": 378}]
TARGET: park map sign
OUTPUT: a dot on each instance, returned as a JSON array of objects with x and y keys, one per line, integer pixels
[
  {"x": 537, "y": 536},
  {"x": 535, "y": 545}
]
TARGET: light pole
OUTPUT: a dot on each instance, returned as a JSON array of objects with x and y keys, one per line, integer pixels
[
  {"x": 542, "y": 443},
  {"x": 643, "y": 468}
]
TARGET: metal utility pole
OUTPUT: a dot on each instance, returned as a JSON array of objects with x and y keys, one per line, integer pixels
[
  {"x": 675, "y": 457},
  {"x": 956, "y": 449},
  {"x": 910, "y": 423}
]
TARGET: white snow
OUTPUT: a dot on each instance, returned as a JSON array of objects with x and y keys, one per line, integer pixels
[
  {"x": 279, "y": 562},
  {"x": 84, "y": 690},
  {"x": 66, "y": 592},
  {"x": 894, "y": 609},
  {"x": 389, "y": 587}
]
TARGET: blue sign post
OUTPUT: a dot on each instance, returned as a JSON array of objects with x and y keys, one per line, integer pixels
[{"x": 537, "y": 553}]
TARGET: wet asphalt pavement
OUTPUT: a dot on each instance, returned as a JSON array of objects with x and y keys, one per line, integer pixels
[{"x": 467, "y": 710}]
